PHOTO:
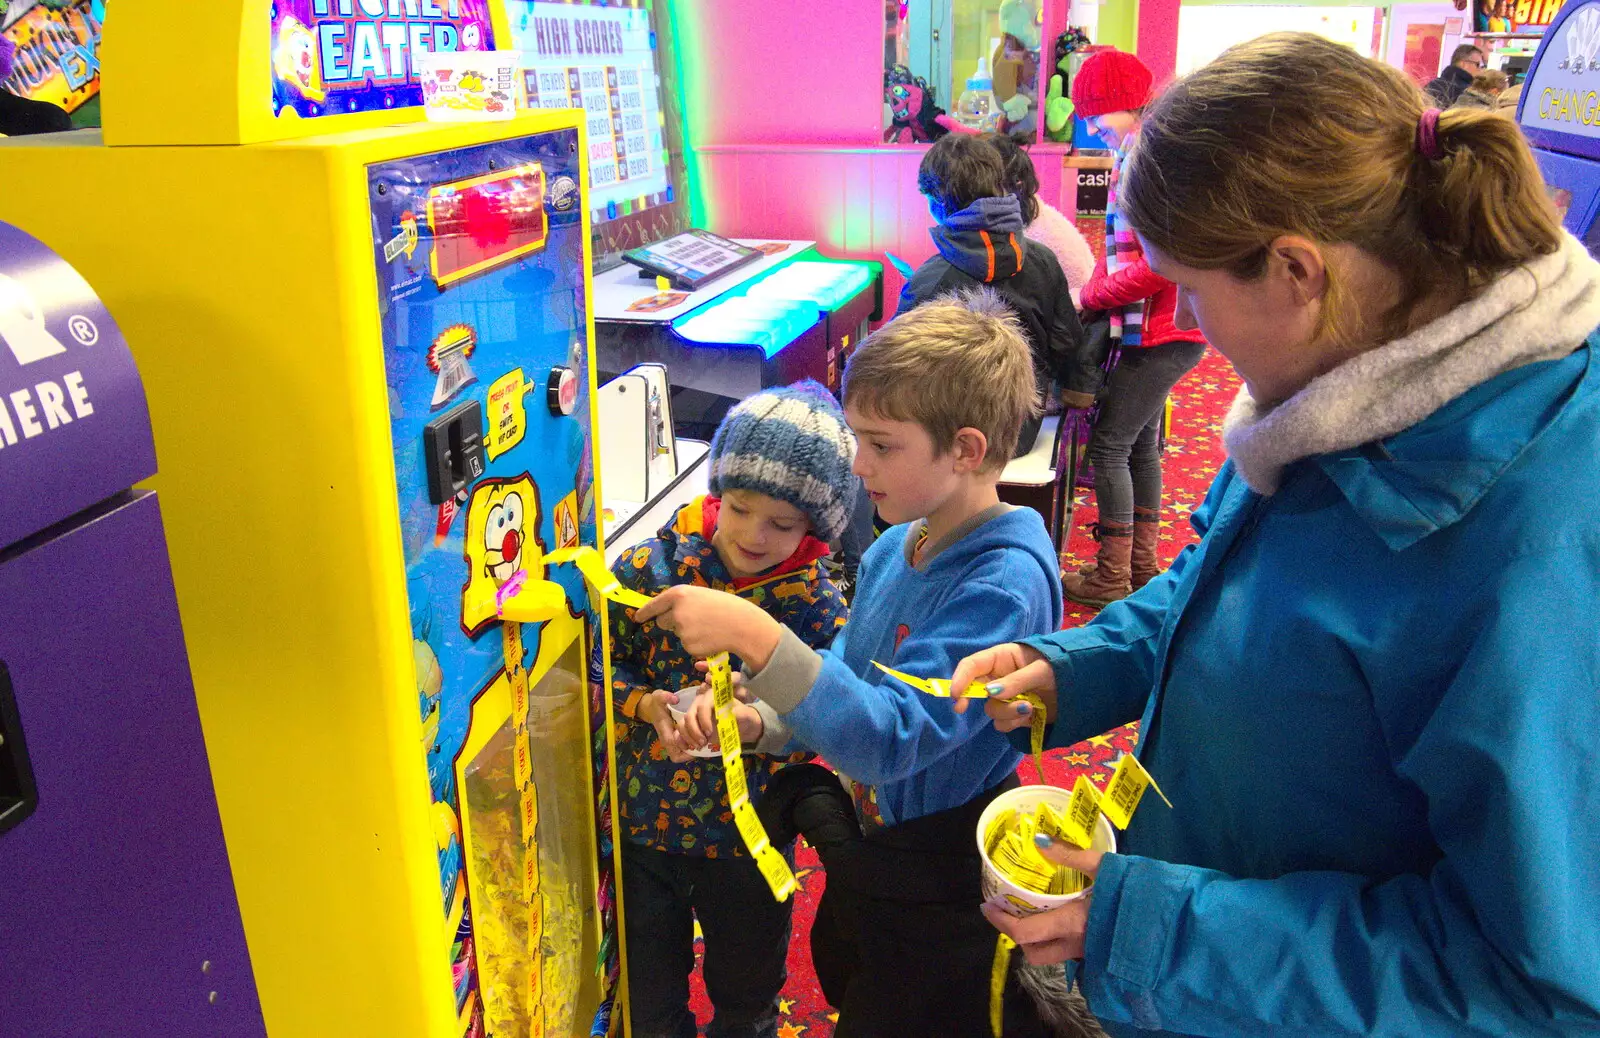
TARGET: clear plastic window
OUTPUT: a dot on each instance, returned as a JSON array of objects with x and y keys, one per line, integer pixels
[{"x": 536, "y": 954}]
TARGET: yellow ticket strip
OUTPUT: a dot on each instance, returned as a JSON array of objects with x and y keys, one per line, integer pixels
[
  {"x": 774, "y": 869},
  {"x": 940, "y": 687},
  {"x": 997, "y": 983},
  {"x": 593, "y": 567}
]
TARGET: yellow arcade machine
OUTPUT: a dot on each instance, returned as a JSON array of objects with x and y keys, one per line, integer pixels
[{"x": 366, "y": 342}]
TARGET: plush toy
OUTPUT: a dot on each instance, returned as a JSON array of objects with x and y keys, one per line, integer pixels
[
  {"x": 1057, "y": 102},
  {"x": 1016, "y": 66},
  {"x": 1057, "y": 111},
  {"x": 914, "y": 112}
]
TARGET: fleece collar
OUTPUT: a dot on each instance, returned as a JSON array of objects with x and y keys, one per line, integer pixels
[{"x": 1542, "y": 310}]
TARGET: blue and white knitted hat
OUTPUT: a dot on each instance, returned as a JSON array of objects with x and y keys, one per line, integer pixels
[{"x": 790, "y": 443}]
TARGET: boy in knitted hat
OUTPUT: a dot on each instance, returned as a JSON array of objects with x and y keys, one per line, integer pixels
[
  {"x": 936, "y": 399},
  {"x": 780, "y": 488}
]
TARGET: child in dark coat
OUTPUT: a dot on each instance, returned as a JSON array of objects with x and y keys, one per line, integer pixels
[{"x": 980, "y": 242}]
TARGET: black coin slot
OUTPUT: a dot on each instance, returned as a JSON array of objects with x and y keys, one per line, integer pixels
[
  {"x": 453, "y": 443},
  {"x": 18, "y": 795}
]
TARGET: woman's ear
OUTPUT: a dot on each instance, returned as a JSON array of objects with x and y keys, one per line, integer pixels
[
  {"x": 970, "y": 448},
  {"x": 1301, "y": 262}
]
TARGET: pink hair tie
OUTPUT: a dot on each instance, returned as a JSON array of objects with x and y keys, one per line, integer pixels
[{"x": 1428, "y": 135}]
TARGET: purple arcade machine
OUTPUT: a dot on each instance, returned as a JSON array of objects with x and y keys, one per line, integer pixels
[
  {"x": 1560, "y": 115},
  {"x": 117, "y": 909}
]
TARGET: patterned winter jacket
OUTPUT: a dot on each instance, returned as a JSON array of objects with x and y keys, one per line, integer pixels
[{"x": 683, "y": 808}]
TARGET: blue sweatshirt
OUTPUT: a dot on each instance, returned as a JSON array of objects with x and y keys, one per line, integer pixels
[{"x": 993, "y": 579}]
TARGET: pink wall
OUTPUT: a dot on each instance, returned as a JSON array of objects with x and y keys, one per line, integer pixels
[
  {"x": 800, "y": 73},
  {"x": 1158, "y": 37},
  {"x": 785, "y": 122}
]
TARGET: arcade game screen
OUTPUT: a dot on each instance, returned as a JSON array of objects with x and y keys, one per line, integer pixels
[{"x": 607, "y": 58}]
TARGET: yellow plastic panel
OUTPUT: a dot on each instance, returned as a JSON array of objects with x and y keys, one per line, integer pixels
[{"x": 243, "y": 280}]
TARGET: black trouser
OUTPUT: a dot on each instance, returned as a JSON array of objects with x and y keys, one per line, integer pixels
[
  {"x": 746, "y": 943},
  {"x": 899, "y": 944}
]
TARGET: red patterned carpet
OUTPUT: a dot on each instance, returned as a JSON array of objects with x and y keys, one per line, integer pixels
[{"x": 1194, "y": 452}]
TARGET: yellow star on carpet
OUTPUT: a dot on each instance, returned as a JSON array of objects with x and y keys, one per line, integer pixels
[
  {"x": 785, "y": 1005},
  {"x": 833, "y": 1018},
  {"x": 791, "y": 1030},
  {"x": 1100, "y": 740}
]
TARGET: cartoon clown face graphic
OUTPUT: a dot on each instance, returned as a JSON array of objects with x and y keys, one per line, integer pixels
[
  {"x": 502, "y": 539},
  {"x": 295, "y": 60},
  {"x": 472, "y": 37}
]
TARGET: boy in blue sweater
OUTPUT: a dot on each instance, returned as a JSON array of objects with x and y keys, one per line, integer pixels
[{"x": 936, "y": 399}]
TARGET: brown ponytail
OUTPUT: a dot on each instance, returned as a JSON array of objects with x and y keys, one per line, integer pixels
[{"x": 1293, "y": 134}]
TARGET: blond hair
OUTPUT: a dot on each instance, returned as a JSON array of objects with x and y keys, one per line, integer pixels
[
  {"x": 954, "y": 362},
  {"x": 1291, "y": 134},
  {"x": 1489, "y": 81}
]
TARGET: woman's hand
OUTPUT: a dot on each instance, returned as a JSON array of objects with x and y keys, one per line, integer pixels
[
  {"x": 1056, "y": 935},
  {"x": 1007, "y": 671}
]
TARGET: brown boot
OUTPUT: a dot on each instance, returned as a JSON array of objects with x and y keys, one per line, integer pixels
[
  {"x": 1110, "y": 578},
  {"x": 1146, "y": 539}
]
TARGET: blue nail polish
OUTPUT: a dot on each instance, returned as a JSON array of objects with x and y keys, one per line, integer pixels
[
  {"x": 994, "y": 688},
  {"x": 1042, "y": 840},
  {"x": 1024, "y": 707}
]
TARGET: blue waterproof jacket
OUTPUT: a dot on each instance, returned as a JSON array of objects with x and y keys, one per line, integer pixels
[{"x": 1374, "y": 700}]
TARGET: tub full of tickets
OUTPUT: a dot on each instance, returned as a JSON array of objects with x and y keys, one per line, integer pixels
[{"x": 1017, "y": 879}]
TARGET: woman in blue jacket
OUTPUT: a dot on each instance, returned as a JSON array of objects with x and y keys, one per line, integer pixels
[{"x": 1372, "y": 690}]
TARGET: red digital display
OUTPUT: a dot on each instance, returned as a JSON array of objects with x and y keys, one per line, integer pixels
[{"x": 485, "y": 222}]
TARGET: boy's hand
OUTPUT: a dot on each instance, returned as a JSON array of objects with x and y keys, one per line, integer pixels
[
  {"x": 1008, "y": 671},
  {"x": 709, "y": 622},
  {"x": 652, "y": 710},
  {"x": 741, "y": 691},
  {"x": 700, "y": 725}
]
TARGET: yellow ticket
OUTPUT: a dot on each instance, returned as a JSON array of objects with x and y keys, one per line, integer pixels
[
  {"x": 519, "y": 695},
  {"x": 1123, "y": 792},
  {"x": 738, "y": 787},
  {"x": 530, "y": 814},
  {"x": 524, "y": 758},
  {"x": 720, "y": 677},
  {"x": 593, "y": 567},
  {"x": 1036, "y": 723},
  {"x": 1083, "y": 811},
  {"x": 934, "y": 686},
  {"x": 511, "y": 641},
  {"x": 776, "y": 871},
  {"x": 755, "y": 837},
  {"x": 728, "y": 740}
]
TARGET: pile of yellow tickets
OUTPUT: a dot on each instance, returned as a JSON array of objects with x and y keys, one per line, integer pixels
[{"x": 1011, "y": 849}]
